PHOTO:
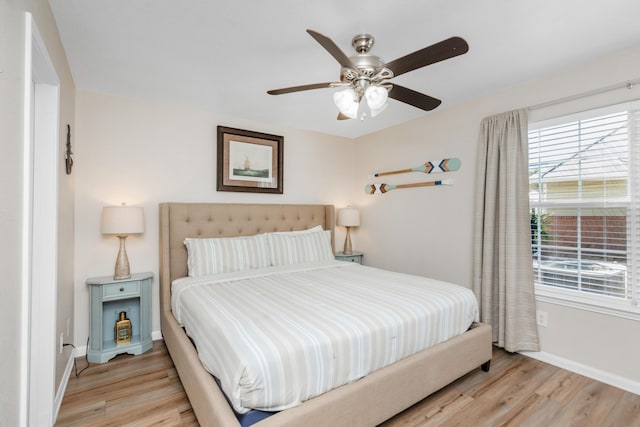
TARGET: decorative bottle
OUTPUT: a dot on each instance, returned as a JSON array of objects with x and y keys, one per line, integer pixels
[{"x": 122, "y": 330}]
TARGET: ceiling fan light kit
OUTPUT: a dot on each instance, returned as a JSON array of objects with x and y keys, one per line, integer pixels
[{"x": 367, "y": 77}]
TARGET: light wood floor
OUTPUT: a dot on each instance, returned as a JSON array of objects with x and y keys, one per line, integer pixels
[{"x": 518, "y": 391}]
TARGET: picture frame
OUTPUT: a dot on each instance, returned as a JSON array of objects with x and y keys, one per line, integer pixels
[{"x": 249, "y": 161}]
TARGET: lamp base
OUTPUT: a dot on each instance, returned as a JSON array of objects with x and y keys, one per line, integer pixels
[
  {"x": 122, "y": 270},
  {"x": 348, "y": 249}
]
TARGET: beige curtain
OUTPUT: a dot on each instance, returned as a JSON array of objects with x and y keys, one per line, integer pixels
[{"x": 502, "y": 270}]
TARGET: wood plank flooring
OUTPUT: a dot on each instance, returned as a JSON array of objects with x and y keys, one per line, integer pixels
[
  {"x": 128, "y": 390},
  {"x": 518, "y": 391}
]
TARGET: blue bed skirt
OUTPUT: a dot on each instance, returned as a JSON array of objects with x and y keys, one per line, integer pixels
[{"x": 251, "y": 417}]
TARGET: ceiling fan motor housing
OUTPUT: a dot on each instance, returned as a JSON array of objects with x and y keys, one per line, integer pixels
[{"x": 366, "y": 69}]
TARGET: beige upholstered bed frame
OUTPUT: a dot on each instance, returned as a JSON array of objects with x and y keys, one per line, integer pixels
[{"x": 366, "y": 402}]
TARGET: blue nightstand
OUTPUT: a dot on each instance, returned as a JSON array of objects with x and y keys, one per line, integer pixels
[
  {"x": 107, "y": 298},
  {"x": 353, "y": 257}
]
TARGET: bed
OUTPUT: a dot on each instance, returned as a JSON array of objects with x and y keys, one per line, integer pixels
[{"x": 365, "y": 402}]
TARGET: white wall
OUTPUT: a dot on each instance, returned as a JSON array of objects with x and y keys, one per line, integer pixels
[
  {"x": 144, "y": 153},
  {"x": 428, "y": 231},
  {"x": 11, "y": 104},
  {"x": 600, "y": 341}
]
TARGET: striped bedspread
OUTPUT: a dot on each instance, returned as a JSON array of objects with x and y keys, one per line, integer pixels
[{"x": 278, "y": 336}]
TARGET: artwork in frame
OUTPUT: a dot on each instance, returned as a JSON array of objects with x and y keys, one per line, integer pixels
[{"x": 249, "y": 161}]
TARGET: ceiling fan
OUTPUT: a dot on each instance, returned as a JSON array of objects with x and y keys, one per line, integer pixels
[{"x": 367, "y": 77}]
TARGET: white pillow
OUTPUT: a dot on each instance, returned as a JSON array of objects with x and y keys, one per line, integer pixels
[
  {"x": 308, "y": 230},
  {"x": 298, "y": 248},
  {"x": 225, "y": 255}
]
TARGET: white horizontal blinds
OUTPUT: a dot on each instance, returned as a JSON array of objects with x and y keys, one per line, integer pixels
[
  {"x": 584, "y": 212},
  {"x": 633, "y": 229}
]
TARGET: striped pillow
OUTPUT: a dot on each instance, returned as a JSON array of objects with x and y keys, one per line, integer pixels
[
  {"x": 226, "y": 255},
  {"x": 287, "y": 249}
]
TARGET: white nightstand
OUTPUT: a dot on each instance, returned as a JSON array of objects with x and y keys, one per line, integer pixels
[{"x": 353, "y": 257}]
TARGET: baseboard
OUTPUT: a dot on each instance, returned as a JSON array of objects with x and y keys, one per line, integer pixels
[
  {"x": 588, "y": 371},
  {"x": 63, "y": 385},
  {"x": 81, "y": 351}
]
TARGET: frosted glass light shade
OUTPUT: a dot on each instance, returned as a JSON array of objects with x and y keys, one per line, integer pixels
[
  {"x": 376, "y": 111},
  {"x": 122, "y": 220},
  {"x": 376, "y": 97},
  {"x": 348, "y": 217},
  {"x": 346, "y": 102}
]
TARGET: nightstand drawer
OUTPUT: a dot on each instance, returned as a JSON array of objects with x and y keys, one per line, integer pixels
[
  {"x": 117, "y": 290},
  {"x": 353, "y": 257}
]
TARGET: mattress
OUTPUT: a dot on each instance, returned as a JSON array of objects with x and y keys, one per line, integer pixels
[{"x": 276, "y": 337}]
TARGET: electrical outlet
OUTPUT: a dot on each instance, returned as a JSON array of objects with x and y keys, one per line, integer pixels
[
  {"x": 61, "y": 342},
  {"x": 541, "y": 318}
]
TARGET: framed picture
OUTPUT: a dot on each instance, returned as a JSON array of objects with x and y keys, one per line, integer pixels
[{"x": 249, "y": 161}]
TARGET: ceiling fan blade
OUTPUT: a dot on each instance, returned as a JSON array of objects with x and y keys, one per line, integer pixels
[
  {"x": 446, "y": 49},
  {"x": 343, "y": 117},
  {"x": 300, "y": 88},
  {"x": 332, "y": 48},
  {"x": 411, "y": 97}
]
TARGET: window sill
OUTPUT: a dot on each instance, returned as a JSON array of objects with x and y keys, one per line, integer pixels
[{"x": 596, "y": 303}]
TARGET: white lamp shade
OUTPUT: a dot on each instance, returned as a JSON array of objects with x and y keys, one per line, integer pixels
[
  {"x": 348, "y": 217},
  {"x": 122, "y": 220}
]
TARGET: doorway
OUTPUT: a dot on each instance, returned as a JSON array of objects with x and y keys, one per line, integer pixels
[{"x": 40, "y": 229}]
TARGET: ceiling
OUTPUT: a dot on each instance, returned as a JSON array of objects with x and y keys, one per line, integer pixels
[{"x": 222, "y": 56}]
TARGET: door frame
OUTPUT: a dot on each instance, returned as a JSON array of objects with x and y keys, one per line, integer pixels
[{"x": 40, "y": 229}]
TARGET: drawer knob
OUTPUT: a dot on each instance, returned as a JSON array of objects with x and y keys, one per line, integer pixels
[{"x": 121, "y": 289}]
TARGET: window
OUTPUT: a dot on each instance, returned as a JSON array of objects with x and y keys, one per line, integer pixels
[{"x": 584, "y": 198}]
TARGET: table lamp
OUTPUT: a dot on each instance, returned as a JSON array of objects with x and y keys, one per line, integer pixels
[
  {"x": 348, "y": 217},
  {"x": 122, "y": 221}
]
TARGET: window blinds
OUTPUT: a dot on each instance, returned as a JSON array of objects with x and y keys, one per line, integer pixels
[{"x": 584, "y": 176}]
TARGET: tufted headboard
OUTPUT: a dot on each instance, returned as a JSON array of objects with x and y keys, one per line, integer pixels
[{"x": 180, "y": 220}]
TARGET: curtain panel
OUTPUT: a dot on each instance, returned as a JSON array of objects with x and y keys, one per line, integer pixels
[{"x": 502, "y": 270}]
